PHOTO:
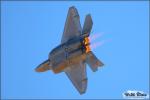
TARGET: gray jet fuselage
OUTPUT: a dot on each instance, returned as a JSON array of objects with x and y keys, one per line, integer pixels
[
  {"x": 70, "y": 52},
  {"x": 74, "y": 52}
]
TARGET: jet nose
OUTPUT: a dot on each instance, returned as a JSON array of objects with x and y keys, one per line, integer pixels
[
  {"x": 39, "y": 69},
  {"x": 43, "y": 66}
]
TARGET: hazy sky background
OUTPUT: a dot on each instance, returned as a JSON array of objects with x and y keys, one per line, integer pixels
[{"x": 30, "y": 30}]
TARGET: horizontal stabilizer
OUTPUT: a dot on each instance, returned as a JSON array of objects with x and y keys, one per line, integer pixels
[
  {"x": 88, "y": 23},
  {"x": 43, "y": 67},
  {"x": 93, "y": 62}
]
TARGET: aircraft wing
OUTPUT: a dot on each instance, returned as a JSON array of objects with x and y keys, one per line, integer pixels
[
  {"x": 72, "y": 26},
  {"x": 77, "y": 74}
]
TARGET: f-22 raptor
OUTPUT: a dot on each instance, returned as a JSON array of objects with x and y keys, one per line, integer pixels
[{"x": 74, "y": 52}]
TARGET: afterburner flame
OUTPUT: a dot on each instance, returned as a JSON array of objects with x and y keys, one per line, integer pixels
[
  {"x": 86, "y": 40},
  {"x": 95, "y": 36},
  {"x": 99, "y": 43},
  {"x": 96, "y": 44},
  {"x": 87, "y": 44},
  {"x": 88, "y": 49}
]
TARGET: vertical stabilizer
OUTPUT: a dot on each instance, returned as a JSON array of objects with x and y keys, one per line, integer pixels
[{"x": 88, "y": 23}]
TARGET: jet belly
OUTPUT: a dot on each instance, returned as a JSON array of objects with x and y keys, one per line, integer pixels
[
  {"x": 75, "y": 51},
  {"x": 69, "y": 53},
  {"x": 58, "y": 59},
  {"x": 74, "y": 48}
]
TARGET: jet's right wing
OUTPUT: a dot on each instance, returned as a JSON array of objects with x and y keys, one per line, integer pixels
[
  {"x": 77, "y": 74},
  {"x": 72, "y": 26}
]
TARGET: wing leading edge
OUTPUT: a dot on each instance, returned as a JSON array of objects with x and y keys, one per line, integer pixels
[
  {"x": 77, "y": 74},
  {"x": 72, "y": 25}
]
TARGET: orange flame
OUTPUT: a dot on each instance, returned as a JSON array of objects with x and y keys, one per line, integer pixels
[
  {"x": 88, "y": 49},
  {"x": 86, "y": 40},
  {"x": 86, "y": 43}
]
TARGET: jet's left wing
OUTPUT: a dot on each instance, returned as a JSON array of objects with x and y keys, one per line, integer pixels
[
  {"x": 77, "y": 74},
  {"x": 72, "y": 26}
]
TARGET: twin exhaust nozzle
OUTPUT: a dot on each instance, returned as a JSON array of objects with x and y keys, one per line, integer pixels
[{"x": 86, "y": 43}]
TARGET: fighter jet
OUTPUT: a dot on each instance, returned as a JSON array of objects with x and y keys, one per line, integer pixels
[{"x": 74, "y": 52}]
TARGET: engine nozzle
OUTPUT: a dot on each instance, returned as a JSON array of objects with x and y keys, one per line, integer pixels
[{"x": 86, "y": 43}]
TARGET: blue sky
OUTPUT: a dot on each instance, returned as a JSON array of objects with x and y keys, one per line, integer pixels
[{"x": 30, "y": 30}]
